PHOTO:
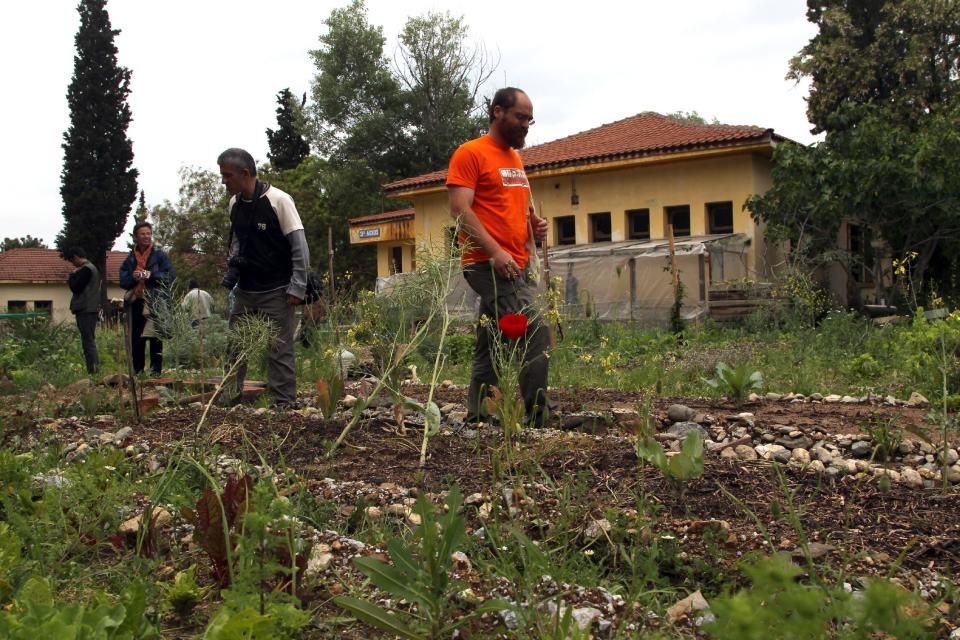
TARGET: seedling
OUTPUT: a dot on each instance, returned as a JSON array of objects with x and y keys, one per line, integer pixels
[{"x": 736, "y": 383}]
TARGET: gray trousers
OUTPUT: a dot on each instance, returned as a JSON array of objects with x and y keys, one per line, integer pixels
[
  {"x": 508, "y": 296},
  {"x": 281, "y": 367},
  {"x": 87, "y": 324}
]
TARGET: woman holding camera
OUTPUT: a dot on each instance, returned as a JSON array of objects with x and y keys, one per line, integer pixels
[{"x": 145, "y": 273}]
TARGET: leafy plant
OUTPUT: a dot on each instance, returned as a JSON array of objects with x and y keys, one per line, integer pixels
[
  {"x": 679, "y": 468},
  {"x": 736, "y": 383},
  {"x": 35, "y": 614},
  {"x": 776, "y": 600},
  {"x": 421, "y": 576},
  {"x": 240, "y": 618},
  {"x": 183, "y": 594},
  {"x": 886, "y": 437},
  {"x": 214, "y": 519}
]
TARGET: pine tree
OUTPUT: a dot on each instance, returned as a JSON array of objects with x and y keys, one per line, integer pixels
[
  {"x": 98, "y": 185},
  {"x": 287, "y": 147},
  {"x": 142, "y": 211}
]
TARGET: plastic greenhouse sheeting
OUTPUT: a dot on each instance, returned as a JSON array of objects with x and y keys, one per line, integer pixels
[{"x": 629, "y": 280}]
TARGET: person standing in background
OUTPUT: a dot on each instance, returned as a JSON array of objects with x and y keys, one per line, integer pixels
[
  {"x": 197, "y": 303},
  {"x": 146, "y": 269},
  {"x": 84, "y": 284}
]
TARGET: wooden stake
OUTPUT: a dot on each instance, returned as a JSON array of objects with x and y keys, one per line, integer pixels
[
  {"x": 545, "y": 268},
  {"x": 128, "y": 345},
  {"x": 674, "y": 271},
  {"x": 333, "y": 290}
]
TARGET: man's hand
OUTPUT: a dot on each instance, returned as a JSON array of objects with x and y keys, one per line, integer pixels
[
  {"x": 293, "y": 300},
  {"x": 539, "y": 226},
  {"x": 505, "y": 266}
]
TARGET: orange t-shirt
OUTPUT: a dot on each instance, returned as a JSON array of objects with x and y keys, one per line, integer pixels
[{"x": 501, "y": 195}]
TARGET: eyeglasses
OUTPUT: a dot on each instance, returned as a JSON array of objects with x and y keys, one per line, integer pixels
[{"x": 524, "y": 118}]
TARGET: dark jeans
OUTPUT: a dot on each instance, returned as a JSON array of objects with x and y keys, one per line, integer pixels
[
  {"x": 87, "y": 324},
  {"x": 281, "y": 369},
  {"x": 496, "y": 300},
  {"x": 140, "y": 343}
]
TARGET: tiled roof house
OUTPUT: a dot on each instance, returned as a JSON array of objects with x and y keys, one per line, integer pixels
[
  {"x": 618, "y": 189},
  {"x": 36, "y": 280}
]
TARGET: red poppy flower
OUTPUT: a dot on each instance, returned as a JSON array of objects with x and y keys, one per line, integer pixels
[{"x": 513, "y": 325}]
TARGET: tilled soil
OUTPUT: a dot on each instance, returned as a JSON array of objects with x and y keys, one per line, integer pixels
[{"x": 854, "y": 526}]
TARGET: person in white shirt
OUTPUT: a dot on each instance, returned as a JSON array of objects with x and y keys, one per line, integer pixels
[{"x": 198, "y": 303}]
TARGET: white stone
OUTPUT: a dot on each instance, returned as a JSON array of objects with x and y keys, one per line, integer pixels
[
  {"x": 801, "y": 455},
  {"x": 745, "y": 452},
  {"x": 585, "y": 616},
  {"x": 319, "y": 560},
  {"x": 474, "y": 499},
  {"x": 768, "y": 451},
  {"x": 349, "y": 401},
  {"x": 833, "y": 398},
  {"x": 132, "y": 526},
  {"x": 911, "y": 478},
  {"x": 917, "y": 400},
  {"x": 596, "y": 528}
]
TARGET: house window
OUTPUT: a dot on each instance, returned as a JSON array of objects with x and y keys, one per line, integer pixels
[
  {"x": 861, "y": 253},
  {"x": 16, "y": 306},
  {"x": 600, "y": 227},
  {"x": 46, "y": 306},
  {"x": 720, "y": 217},
  {"x": 396, "y": 260},
  {"x": 638, "y": 224},
  {"x": 679, "y": 217},
  {"x": 566, "y": 229}
]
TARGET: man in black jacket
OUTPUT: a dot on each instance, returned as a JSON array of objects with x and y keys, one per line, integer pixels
[
  {"x": 84, "y": 283},
  {"x": 268, "y": 265}
]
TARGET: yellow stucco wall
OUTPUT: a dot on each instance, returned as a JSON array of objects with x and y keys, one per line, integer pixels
[
  {"x": 58, "y": 294},
  {"x": 654, "y": 186}
]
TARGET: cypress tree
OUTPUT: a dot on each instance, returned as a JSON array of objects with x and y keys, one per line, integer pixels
[
  {"x": 287, "y": 147},
  {"x": 97, "y": 183}
]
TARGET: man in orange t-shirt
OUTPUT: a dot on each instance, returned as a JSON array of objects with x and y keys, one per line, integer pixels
[{"x": 489, "y": 195}]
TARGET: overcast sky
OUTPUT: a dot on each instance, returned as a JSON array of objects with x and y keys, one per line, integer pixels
[{"x": 206, "y": 74}]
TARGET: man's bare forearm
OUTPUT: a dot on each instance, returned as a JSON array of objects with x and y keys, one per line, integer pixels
[{"x": 472, "y": 226}]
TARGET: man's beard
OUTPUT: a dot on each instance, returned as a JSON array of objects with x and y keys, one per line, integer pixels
[{"x": 516, "y": 137}]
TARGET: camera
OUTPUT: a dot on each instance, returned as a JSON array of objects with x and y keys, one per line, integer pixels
[{"x": 237, "y": 262}]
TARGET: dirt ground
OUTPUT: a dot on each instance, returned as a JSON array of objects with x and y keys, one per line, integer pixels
[
  {"x": 857, "y": 517},
  {"x": 858, "y": 527}
]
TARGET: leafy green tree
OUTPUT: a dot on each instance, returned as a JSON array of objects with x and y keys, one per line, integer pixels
[
  {"x": 196, "y": 228},
  {"x": 442, "y": 75},
  {"x": 23, "y": 242},
  {"x": 885, "y": 89},
  {"x": 902, "y": 56},
  {"x": 691, "y": 117},
  {"x": 373, "y": 124},
  {"x": 287, "y": 146},
  {"x": 142, "y": 211},
  {"x": 902, "y": 184},
  {"x": 98, "y": 184},
  {"x": 359, "y": 125}
]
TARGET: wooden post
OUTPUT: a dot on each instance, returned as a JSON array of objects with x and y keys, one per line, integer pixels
[
  {"x": 546, "y": 279},
  {"x": 546, "y": 258},
  {"x": 674, "y": 271},
  {"x": 128, "y": 344},
  {"x": 333, "y": 291}
]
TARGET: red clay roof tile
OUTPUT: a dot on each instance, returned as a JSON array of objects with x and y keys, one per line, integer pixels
[
  {"x": 46, "y": 265},
  {"x": 646, "y": 133},
  {"x": 400, "y": 214}
]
